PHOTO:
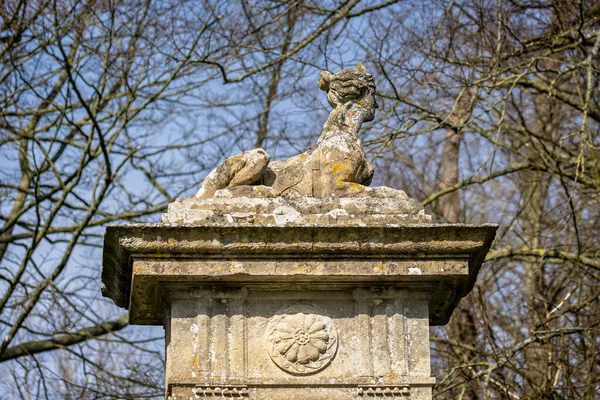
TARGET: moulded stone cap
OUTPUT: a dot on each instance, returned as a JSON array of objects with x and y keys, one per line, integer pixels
[
  {"x": 297, "y": 211},
  {"x": 166, "y": 243}
]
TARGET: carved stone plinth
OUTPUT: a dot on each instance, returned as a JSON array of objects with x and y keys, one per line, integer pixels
[{"x": 298, "y": 299}]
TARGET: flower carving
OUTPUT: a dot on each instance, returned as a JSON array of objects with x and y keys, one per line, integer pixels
[{"x": 302, "y": 340}]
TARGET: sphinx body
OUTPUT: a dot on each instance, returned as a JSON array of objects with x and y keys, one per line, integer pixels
[{"x": 335, "y": 166}]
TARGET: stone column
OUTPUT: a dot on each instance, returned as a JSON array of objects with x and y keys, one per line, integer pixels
[{"x": 294, "y": 299}]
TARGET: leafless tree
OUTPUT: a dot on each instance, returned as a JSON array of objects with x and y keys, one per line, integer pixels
[
  {"x": 499, "y": 101},
  {"x": 490, "y": 113}
]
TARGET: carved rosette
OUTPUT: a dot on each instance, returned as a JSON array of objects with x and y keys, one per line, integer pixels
[{"x": 301, "y": 339}]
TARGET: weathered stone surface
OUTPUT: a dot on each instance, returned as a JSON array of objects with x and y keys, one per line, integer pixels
[
  {"x": 141, "y": 259},
  {"x": 301, "y": 339},
  {"x": 350, "y": 344},
  {"x": 298, "y": 309},
  {"x": 300, "y": 211}
]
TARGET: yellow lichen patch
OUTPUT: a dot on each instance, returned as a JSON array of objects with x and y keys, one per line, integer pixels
[
  {"x": 392, "y": 376},
  {"x": 306, "y": 269},
  {"x": 340, "y": 168},
  {"x": 236, "y": 267},
  {"x": 351, "y": 187},
  {"x": 379, "y": 268}
]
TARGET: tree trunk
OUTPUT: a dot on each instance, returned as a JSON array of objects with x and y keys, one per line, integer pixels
[{"x": 462, "y": 329}]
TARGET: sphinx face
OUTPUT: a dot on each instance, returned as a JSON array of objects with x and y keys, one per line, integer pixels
[{"x": 369, "y": 105}]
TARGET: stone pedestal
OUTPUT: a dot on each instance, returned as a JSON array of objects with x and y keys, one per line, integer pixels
[{"x": 294, "y": 299}]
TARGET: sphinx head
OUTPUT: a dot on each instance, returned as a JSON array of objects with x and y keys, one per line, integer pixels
[{"x": 351, "y": 85}]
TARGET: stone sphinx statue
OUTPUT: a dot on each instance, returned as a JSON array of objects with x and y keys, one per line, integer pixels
[{"x": 336, "y": 166}]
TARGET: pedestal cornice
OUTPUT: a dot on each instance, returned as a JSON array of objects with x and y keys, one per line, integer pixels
[{"x": 441, "y": 258}]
